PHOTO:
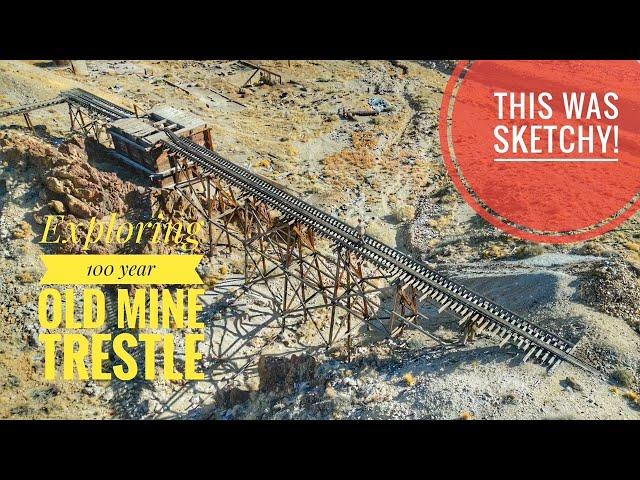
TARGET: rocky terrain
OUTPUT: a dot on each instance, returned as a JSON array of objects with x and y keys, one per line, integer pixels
[
  {"x": 386, "y": 170},
  {"x": 413, "y": 378}
]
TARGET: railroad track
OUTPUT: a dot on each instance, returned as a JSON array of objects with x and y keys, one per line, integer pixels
[
  {"x": 31, "y": 106},
  {"x": 80, "y": 98},
  {"x": 536, "y": 342},
  {"x": 95, "y": 104}
]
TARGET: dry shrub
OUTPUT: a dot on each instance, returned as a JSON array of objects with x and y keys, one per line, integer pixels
[
  {"x": 529, "y": 250},
  {"x": 349, "y": 164},
  {"x": 495, "y": 251},
  {"x": 623, "y": 376},
  {"x": 292, "y": 151},
  {"x": 594, "y": 248},
  {"x": 380, "y": 232},
  {"x": 633, "y": 246},
  {"x": 440, "y": 223},
  {"x": 237, "y": 264},
  {"x": 409, "y": 379},
  {"x": 364, "y": 140},
  {"x": 26, "y": 277},
  {"x": 23, "y": 230},
  {"x": 264, "y": 163},
  {"x": 348, "y": 160},
  {"x": 404, "y": 213}
]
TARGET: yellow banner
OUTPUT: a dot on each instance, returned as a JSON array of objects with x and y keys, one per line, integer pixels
[{"x": 121, "y": 269}]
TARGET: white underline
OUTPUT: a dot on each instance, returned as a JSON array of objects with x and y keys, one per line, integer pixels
[{"x": 555, "y": 159}]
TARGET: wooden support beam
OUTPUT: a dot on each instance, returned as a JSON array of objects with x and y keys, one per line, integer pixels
[
  {"x": 27, "y": 120},
  {"x": 330, "y": 290}
]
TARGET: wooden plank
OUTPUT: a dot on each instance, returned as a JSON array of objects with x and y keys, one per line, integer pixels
[
  {"x": 181, "y": 118},
  {"x": 227, "y": 98}
]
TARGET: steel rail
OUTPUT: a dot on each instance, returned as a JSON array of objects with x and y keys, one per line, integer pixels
[
  {"x": 96, "y": 104},
  {"x": 31, "y": 106},
  {"x": 541, "y": 344},
  {"x": 78, "y": 97}
]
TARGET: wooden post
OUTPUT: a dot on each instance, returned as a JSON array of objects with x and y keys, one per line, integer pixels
[
  {"x": 28, "y": 121},
  {"x": 348, "y": 278},
  {"x": 83, "y": 124},
  {"x": 302, "y": 278},
  {"x": 79, "y": 67},
  {"x": 208, "y": 142},
  {"x": 73, "y": 123},
  {"x": 209, "y": 211}
]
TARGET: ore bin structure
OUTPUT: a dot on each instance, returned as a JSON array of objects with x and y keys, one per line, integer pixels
[{"x": 137, "y": 141}]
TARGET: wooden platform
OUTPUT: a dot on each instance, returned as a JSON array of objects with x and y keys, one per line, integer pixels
[
  {"x": 139, "y": 139},
  {"x": 138, "y": 131},
  {"x": 185, "y": 123}
]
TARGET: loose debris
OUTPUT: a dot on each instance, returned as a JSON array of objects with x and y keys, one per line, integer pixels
[{"x": 613, "y": 287}]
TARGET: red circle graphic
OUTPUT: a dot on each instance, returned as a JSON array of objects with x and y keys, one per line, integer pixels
[{"x": 548, "y": 151}]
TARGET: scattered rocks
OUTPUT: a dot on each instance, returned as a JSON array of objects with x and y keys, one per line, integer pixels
[
  {"x": 230, "y": 397},
  {"x": 57, "y": 207},
  {"x": 424, "y": 227},
  {"x": 613, "y": 287},
  {"x": 92, "y": 389},
  {"x": 46, "y": 393},
  {"x": 70, "y": 182},
  {"x": 571, "y": 383},
  {"x": 281, "y": 373}
]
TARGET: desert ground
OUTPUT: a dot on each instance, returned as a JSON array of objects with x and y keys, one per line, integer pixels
[{"x": 387, "y": 170}]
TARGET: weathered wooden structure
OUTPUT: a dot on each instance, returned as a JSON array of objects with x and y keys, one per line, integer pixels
[
  {"x": 267, "y": 76},
  {"x": 136, "y": 140},
  {"x": 343, "y": 285},
  {"x": 333, "y": 287}
]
